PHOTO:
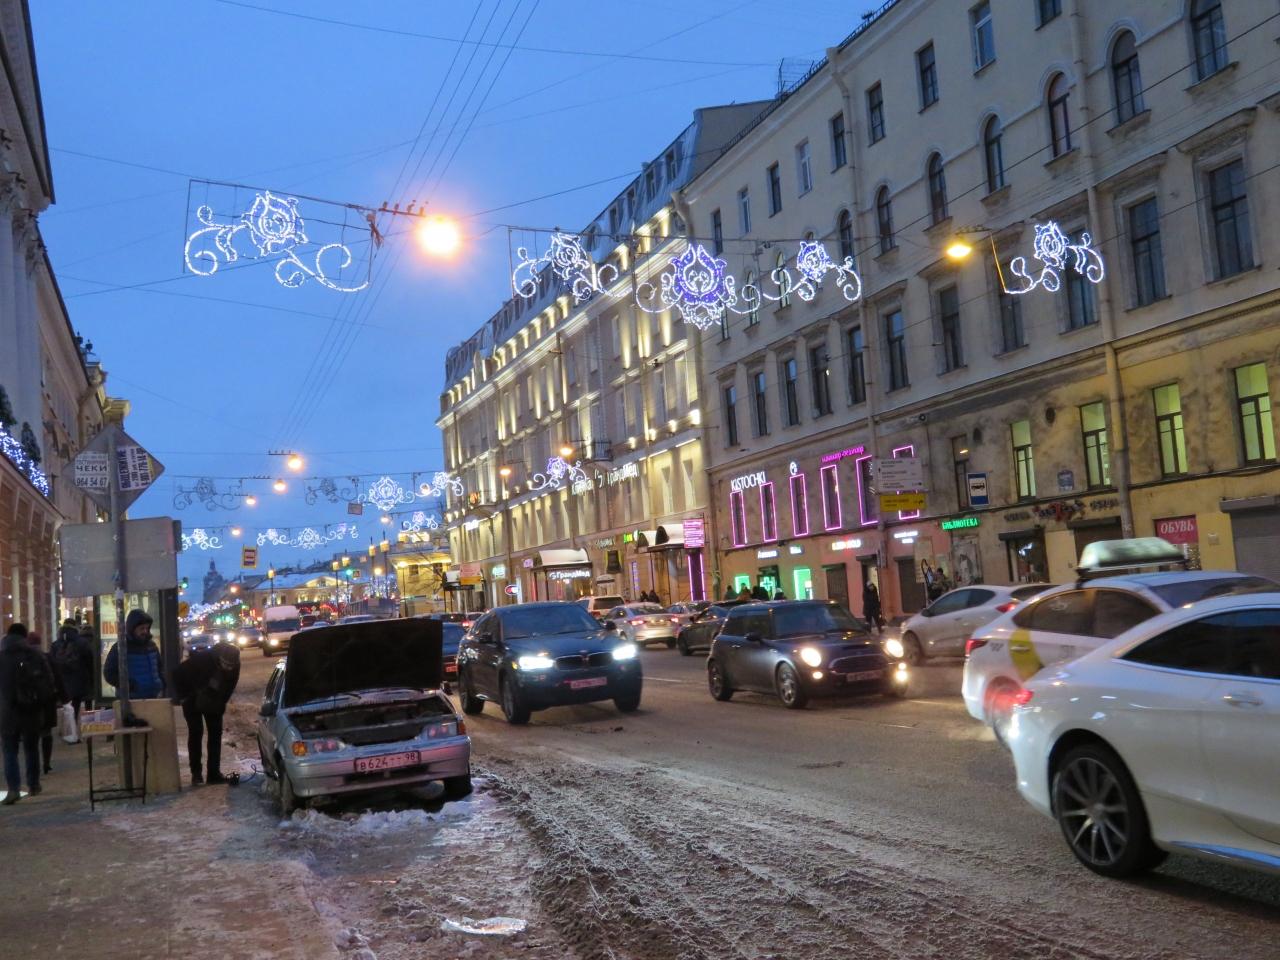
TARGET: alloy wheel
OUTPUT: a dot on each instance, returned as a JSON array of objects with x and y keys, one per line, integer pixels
[{"x": 1093, "y": 811}]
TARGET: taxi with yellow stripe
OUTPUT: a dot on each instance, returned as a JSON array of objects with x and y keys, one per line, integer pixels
[{"x": 1070, "y": 621}]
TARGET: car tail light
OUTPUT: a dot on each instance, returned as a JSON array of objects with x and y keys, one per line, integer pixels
[
  {"x": 467, "y": 623},
  {"x": 637, "y": 622},
  {"x": 1023, "y": 697},
  {"x": 462, "y": 727},
  {"x": 299, "y": 749},
  {"x": 1006, "y": 607},
  {"x": 675, "y": 619},
  {"x": 972, "y": 644}
]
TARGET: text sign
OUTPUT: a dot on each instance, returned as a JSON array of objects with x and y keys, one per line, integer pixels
[
  {"x": 977, "y": 489},
  {"x": 133, "y": 464},
  {"x": 92, "y": 471},
  {"x": 695, "y": 534},
  {"x": 960, "y": 523},
  {"x": 1178, "y": 530},
  {"x": 900, "y": 473},
  {"x": 756, "y": 479},
  {"x": 901, "y": 502}
]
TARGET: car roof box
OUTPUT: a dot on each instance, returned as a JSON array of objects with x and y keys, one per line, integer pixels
[{"x": 1136, "y": 553}]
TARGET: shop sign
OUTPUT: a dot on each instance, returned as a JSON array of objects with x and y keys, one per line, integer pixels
[
  {"x": 470, "y": 571},
  {"x": 498, "y": 571},
  {"x": 768, "y": 554},
  {"x": 628, "y": 538},
  {"x": 838, "y": 455},
  {"x": 695, "y": 534},
  {"x": 960, "y": 523},
  {"x": 795, "y": 549},
  {"x": 512, "y": 589},
  {"x": 577, "y": 573},
  {"x": 470, "y": 525},
  {"x": 906, "y": 536},
  {"x": 602, "y": 542},
  {"x": 1066, "y": 480},
  {"x": 527, "y": 563},
  {"x": 901, "y": 502},
  {"x": 738, "y": 484},
  {"x": 581, "y": 486},
  {"x": 839, "y": 545},
  {"x": 1178, "y": 529},
  {"x": 626, "y": 472},
  {"x": 1018, "y": 516},
  {"x": 977, "y": 489}
]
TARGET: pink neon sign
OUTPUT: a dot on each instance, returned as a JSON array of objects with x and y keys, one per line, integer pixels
[
  {"x": 839, "y": 455},
  {"x": 866, "y": 516},
  {"x": 768, "y": 513},
  {"x": 738, "y": 518},
  {"x": 799, "y": 505},
  {"x": 830, "y": 497}
]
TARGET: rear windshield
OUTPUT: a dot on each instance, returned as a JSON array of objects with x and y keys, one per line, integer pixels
[
  {"x": 1193, "y": 591},
  {"x": 645, "y": 608},
  {"x": 796, "y": 619},
  {"x": 607, "y": 603},
  {"x": 283, "y": 626},
  {"x": 543, "y": 621},
  {"x": 1031, "y": 590}
]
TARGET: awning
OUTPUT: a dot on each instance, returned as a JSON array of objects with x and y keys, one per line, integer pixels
[
  {"x": 663, "y": 538},
  {"x": 561, "y": 558}
]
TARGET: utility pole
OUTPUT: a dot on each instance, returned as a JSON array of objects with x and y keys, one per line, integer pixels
[{"x": 121, "y": 583}]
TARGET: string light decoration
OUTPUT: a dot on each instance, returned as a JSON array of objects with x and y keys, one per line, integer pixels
[
  {"x": 569, "y": 263},
  {"x": 814, "y": 263},
  {"x": 1050, "y": 248},
  {"x": 419, "y": 521},
  {"x": 696, "y": 285},
  {"x": 385, "y": 493},
  {"x": 206, "y": 492},
  {"x": 441, "y": 482},
  {"x": 13, "y": 450},
  {"x": 306, "y": 538},
  {"x": 328, "y": 488},
  {"x": 559, "y": 470},
  {"x": 276, "y": 228},
  {"x": 201, "y": 539}
]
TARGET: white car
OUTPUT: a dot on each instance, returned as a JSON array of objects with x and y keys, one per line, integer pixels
[
  {"x": 644, "y": 623},
  {"x": 1069, "y": 621},
  {"x": 1165, "y": 739},
  {"x": 941, "y": 629}
]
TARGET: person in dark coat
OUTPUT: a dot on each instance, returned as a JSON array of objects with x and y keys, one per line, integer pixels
[
  {"x": 204, "y": 683},
  {"x": 49, "y": 719},
  {"x": 871, "y": 606},
  {"x": 72, "y": 656},
  {"x": 22, "y": 706},
  {"x": 744, "y": 595},
  {"x": 758, "y": 592},
  {"x": 146, "y": 682}
]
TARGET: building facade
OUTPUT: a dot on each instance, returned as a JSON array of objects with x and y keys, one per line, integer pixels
[{"x": 1099, "y": 363}]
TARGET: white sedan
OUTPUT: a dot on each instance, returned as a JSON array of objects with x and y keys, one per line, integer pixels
[{"x": 1165, "y": 739}]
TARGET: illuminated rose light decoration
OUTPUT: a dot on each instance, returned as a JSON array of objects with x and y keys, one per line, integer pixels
[
  {"x": 201, "y": 539},
  {"x": 814, "y": 263},
  {"x": 558, "y": 471},
  {"x": 695, "y": 284},
  {"x": 441, "y": 482},
  {"x": 385, "y": 493},
  {"x": 569, "y": 263},
  {"x": 1052, "y": 248}
]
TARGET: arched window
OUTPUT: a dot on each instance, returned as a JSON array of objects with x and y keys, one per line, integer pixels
[
  {"x": 884, "y": 220},
  {"x": 783, "y": 279},
  {"x": 937, "y": 189},
  {"x": 753, "y": 297},
  {"x": 1208, "y": 37},
  {"x": 993, "y": 152},
  {"x": 1059, "y": 116},
  {"x": 1125, "y": 78},
  {"x": 844, "y": 227}
]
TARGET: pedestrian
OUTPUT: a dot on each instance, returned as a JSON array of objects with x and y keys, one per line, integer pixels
[
  {"x": 146, "y": 682},
  {"x": 25, "y": 690},
  {"x": 871, "y": 605},
  {"x": 72, "y": 656},
  {"x": 730, "y": 593},
  {"x": 49, "y": 718},
  {"x": 779, "y": 595},
  {"x": 744, "y": 595},
  {"x": 758, "y": 592},
  {"x": 204, "y": 683}
]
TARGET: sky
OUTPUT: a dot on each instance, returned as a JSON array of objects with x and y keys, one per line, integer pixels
[{"x": 147, "y": 102}]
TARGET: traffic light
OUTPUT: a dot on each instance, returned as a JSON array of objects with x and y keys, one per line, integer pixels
[{"x": 184, "y": 583}]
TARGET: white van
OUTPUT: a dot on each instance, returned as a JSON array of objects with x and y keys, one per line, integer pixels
[
  {"x": 278, "y": 625},
  {"x": 599, "y": 606}
]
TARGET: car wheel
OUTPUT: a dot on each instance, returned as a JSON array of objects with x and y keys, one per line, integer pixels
[
  {"x": 627, "y": 704},
  {"x": 1100, "y": 811},
  {"x": 787, "y": 683},
  {"x": 455, "y": 788},
  {"x": 912, "y": 651},
  {"x": 471, "y": 704},
  {"x": 289, "y": 801},
  {"x": 716, "y": 682},
  {"x": 671, "y": 643},
  {"x": 683, "y": 644},
  {"x": 513, "y": 706}
]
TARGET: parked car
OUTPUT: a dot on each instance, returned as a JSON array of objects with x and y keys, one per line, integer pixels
[
  {"x": 599, "y": 606},
  {"x": 199, "y": 642},
  {"x": 684, "y": 612},
  {"x": 452, "y": 638},
  {"x": 465, "y": 619},
  {"x": 797, "y": 649},
  {"x": 1066, "y": 622},
  {"x": 1162, "y": 740},
  {"x": 248, "y": 637},
  {"x": 702, "y": 627},
  {"x": 536, "y": 655},
  {"x": 356, "y": 618},
  {"x": 941, "y": 629},
  {"x": 643, "y": 624},
  {"x": 357, "y": 708}
]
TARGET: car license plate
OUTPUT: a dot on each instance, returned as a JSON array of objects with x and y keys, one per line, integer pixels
[
  {"x": 388, "y": 761},
  {"x": 590, "y": 682},
  {"x": 863, "y": 675}
]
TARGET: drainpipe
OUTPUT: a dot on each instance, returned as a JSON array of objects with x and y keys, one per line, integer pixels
[{"x": 1115, "y": 386}]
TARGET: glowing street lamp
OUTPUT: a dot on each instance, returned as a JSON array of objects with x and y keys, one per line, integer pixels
[
  {"x": 439, "y": 236},
  {"x": 958, "y": 249},
  {"x": 504, "y": 472},
  {"x": 251, "y": 501},
  {"x": 294, "y": 462},
  {"x": 236, "y": 531},
  {"x": 279, "y": 486},
  {"x": 566, "y": 451}
]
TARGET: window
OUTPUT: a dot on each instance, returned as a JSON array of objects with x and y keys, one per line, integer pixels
[
  {"x": 1144, "y": 245},
  {"x": 1012, "y": 335},
  {"x": 960, "y": 468},
  {"x": 1125, "y": 78},
  {"x": 717, "y": 233},
  {"x": 1070, "y": 612},
  {"x": 790, "y": 402},
  {"x": 1229, "y": 207},
  {"x": 804, "y": 169},
  {"x": 820, "y": 372},
  {"x": 1080, "y": 305},
  {"x": 884, "y": 220},
  {"x": 1024, "y": 467},
  {"x": 839, "y": 149},
  {"x": 937, "y": 189},
  {"x": 774, "y": 177},
  {"x": 855, "y": 348},
  {"x": 753, "y": 315},
  {"x": 651, "y": 183},
  {"x": 1169, "y": 435},
  {"x": 768, "y": 513},
  {"x": 1115, "y": 611},
  {"x": 783, "y": 279},
  {"x": 1253, "y": 399},
  {"x": 949, "y": 321},
  {"x": 993, "y": 151},
  {"x": 1046, "y": 10},
  {"x": 671, "y": 165},
  {"x": 738, "y": 517},
  {"x": 744, "y": 210},
  {"x": 875, "y": 113},
  {"x": 984, "y": 36},
  {"x": 731, "y": 416},
  {"x": 830, "y": 497},
  {"x": 844, "y": 229},
  {"x": 760, "y": 403},
  {"x": 724, "y": 326},
  {"x": 1059, "y": 116},
  {"x": 1208, "y": 37},
  {"x": 1201, "y": 646},
  {"x": 927, "y": 71},
  {"x": 1097, "y": 458},
  {"x": 895, "y": 340}
]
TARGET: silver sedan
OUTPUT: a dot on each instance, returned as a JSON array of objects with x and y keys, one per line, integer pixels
[
  {"x": 645, "y": 623},
  {"x": 941, "y": 629}
]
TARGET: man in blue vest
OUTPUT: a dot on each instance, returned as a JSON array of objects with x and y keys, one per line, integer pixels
[{"x": 146, "y": 681}]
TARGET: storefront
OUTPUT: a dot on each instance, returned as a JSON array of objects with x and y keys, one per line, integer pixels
[
  {"x": 966, "y": 549},
  {"x": 1025, "y": 552},
  {"x": 563, "y": 574},
  {"x": 1255, "y": 530}
]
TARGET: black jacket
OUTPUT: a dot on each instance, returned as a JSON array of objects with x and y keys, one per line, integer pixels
[
  {"x": 207, "y": 678},
  {"x": 72, "y": 656},
  {"x": 28, "y": 721}
]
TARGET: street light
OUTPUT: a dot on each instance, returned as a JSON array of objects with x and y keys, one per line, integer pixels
[
  {"x": 294, "y": 462},
  {"x": 279, "y": 486},
  {"x": 504, "y": 472},
  {"x": 958, "y": 249},
  {"x": 566, "y": 451},
  {"x": 271, "y": 575},
  {"x": 439, "y": 236},
  {"x": 251, "y": 501}
]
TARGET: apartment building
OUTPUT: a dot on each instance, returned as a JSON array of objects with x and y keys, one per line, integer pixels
[{"x": 1099, "y": 363}]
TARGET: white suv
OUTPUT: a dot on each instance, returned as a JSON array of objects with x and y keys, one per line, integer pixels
[{"x": 599, "y": 606}]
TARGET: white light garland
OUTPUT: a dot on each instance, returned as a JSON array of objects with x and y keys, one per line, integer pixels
[
  {"x": 695, "y": 284},
  {"x": 307, "y": 538},
  {"x": 1050, "y": 248},
  {"x": 441, "y": 482},
  {"x": 12, "y": 449},
  {"x": 386, "y": 493},
  {"x": 277, "y": 230},
  {"x": 418, "y": 522},
  {"x": 201, "y": 539},
  {"x": 558, "y": 471},
  {"x": 569, "y": 262}
]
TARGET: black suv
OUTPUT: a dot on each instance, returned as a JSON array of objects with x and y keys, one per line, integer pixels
[
  {"x": 798, "y": 649},
  {"x": 535, "y": 655}
]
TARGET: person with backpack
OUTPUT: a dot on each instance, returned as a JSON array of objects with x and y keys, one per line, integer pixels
[
  {"x": 204, "y": 683},
  {"x": 72, "y": 656},
  {"x": 26, "y": 689},
  {"x": 49, "y": 716},
  {"x": 146, "y": 682}
]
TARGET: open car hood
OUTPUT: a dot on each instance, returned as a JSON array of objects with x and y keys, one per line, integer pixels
[{"x": 362, "y": 656}]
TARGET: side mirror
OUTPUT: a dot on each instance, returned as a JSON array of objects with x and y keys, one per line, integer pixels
[
  {"x": 485, "y": 638},
  {"x": 610, "y": 625},
  {"x": 754, "y": 638},
  {"x": 268, "y": 708}
]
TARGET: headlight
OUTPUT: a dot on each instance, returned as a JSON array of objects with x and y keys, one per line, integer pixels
[
  {"x": 893, "y": 647},
  {"x": 535, "y": 662},
  {"x": 811, "y": 656},
  {"x": 625, "y": 652},
  {"x": 275, "y": 642},
  {"x": 242, "y": 640}
]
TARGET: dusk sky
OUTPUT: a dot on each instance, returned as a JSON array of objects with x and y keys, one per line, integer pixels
[{"x": 145, "y": 100}]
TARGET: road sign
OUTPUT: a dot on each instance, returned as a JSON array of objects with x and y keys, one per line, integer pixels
[
  {"x": 904, "y": 502},
  {"x": 355, "y": 509},
  {"x": 977, "y": 489},
  {"x": 184, "y": 608},
  {"x": 135, "y": 468},
  {"x": 89, "y": 559},
  {"x": 248, "y": 558},
  {"x": 899, "y": 473}
]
